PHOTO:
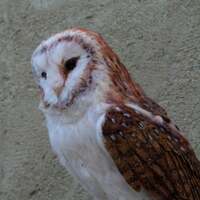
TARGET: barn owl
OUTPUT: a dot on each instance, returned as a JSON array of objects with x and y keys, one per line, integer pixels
[{"x": 117, "y": 142}]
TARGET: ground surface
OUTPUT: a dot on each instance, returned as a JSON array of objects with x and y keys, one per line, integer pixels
[{"x": 158, "y": 40}]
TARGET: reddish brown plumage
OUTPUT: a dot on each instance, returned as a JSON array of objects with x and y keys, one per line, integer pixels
[{"x": 151, "y": 156}]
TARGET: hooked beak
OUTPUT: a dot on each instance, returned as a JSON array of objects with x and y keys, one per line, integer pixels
[
  {"x": 55, "y": 104},
  {"x": 41, "y": 95},
  {"x": 41, "y": 92}
]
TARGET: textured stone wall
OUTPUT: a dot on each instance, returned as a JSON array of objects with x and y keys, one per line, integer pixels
[{"x": 158, "y": 40}]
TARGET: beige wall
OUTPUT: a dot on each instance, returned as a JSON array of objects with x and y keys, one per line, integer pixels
[{"x": 158, "y": 40}]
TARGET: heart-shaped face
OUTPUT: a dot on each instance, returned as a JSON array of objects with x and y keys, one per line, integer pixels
[{"x": 61, "y": 66}]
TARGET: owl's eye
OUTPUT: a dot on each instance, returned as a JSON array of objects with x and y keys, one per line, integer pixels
[
  {"x": 44, "y": 75},
  {"x": 71, "y": 63}
]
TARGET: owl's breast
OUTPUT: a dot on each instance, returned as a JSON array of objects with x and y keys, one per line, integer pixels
[{"x": 78, "y": 149}]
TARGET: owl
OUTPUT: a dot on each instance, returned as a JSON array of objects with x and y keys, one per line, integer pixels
[{"x": 116, "y": 141}]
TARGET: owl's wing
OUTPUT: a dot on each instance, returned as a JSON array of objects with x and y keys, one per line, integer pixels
[{"x": 151, "y": 156}]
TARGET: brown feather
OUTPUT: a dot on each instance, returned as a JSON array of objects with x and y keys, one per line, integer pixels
[{"x": 149, "y": 156}]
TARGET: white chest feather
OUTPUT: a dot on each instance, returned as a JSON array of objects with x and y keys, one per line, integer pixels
[{"x": 80, "y": 149}]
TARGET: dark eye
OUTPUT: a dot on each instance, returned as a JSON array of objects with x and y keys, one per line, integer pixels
[
  {"x": 44, "y": 75},
  {"x": 71, "y": 63}
]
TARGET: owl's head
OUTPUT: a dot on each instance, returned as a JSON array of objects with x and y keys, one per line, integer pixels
[{"x": 76, "y": 64}]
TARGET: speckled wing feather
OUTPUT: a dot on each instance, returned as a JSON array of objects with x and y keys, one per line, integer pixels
[{"x": 151, "y": 156}]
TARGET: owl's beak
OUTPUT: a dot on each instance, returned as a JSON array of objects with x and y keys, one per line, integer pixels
[
  {"x": 50, "y": 98},
  {"x": 41, "y": 95}
]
